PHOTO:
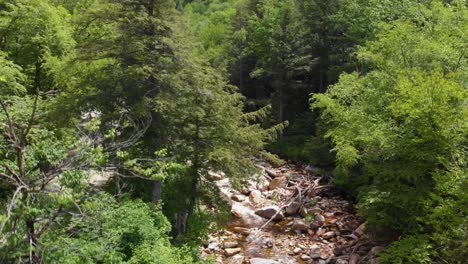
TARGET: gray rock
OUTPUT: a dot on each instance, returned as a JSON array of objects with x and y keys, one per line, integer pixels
[
  {"x": 230, "y": 244},
  {"x": 213, "y": 246},
  {"x": 215, "y": 176},
  {"x": 293, "y": 208},
  {"x": 232, "y": 251},
  {"x": 305, "y": 257},
  {"x": 255, "y": 196},
  {"x": 242, "y": 230},
  {"x": 236, "y": 259},
  {"x": 328, "y": 235},
  {"x": 315, "y": 251},
  {"x": 247, "y": 216},
  {"x": 300, "y": 226},
  {"x": 320, "y": 218},
  {"x": 269, "y": 211},
  {"x": 263, "y": 261}
]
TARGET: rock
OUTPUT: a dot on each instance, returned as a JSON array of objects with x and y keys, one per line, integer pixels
[
  {"x": 320, "y": 231},
  {"x": 300, "y": 226},
  {"x": 215, "y": 176},
  {"x": 320, "y": 218},
  {"x": 341, "y": 261},
  {"x": 277, "y": 183},
  {"x": 328, "y": 214},
  {"x": 262, "y": 183},
  {"x": 242, "y": 230},
  {"x": 315, "y": 251},
  {"x": 293, "y": 208},
  {"x": 305, "y": 257},
  {"x": 230, "y": 244},
  {"x": 297, "y": 251},
  {"x": 219, "y": 260},
  {"x": 271, "y": 173},
  {"x": 263, "y": 261},
  {"x": 247, "y": 215},
  {"x": 231, "y": 251},
  {"x": 269, "y": 211},
  {"x": 314, "y": 210},
  {"x": 213, "y": 246},
  {"x": 304, "y": 212},
  {"x": 354, "y": 259},
  {"x": 360, "y": 231},
  {"x": 255, "y": 196},
  {"x": 328, "y": 235},
  {"x": 238, "y": 197},
  {"x": 237, "y": 259},
  {"x": 315, "y": 225},
  {"x": 239, "y": 210}
]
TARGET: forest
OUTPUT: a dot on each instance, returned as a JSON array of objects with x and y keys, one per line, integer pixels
[{"x": 121, "y": 120}]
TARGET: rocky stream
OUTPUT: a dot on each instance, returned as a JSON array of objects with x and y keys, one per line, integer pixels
[{"x": 291, "y": 214}]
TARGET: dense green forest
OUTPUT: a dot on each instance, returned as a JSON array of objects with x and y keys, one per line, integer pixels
[{"x": 152, "y": 96}]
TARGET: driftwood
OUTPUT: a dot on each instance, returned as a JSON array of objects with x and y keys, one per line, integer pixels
[{"x": 305, "y": 185}]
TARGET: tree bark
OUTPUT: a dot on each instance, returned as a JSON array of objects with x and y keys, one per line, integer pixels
[
  {"x": 32, "y": 241},
  {"x": 195, "y": 168},
  {"x": 156, "y": 191}
]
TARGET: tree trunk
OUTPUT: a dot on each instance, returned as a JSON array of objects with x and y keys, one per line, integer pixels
[
  {"x": 156, "y": 191},
  {"x": 32, "y": 241},
  {"x": 195, "y": 168}
]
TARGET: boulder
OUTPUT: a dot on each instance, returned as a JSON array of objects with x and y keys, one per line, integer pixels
[
  {"x": 315, "y": 251},
  {"x": 271, "y": 173},
  {"x": 262, "y": 183},
  {"x": 230, "y": 244},
  {"x": 277, "y": 183},
  {"x": 236, "y": 259},
  {"x": 293, "y": 208},
  {"x": 215, "y": 176},
  {"x": 255, "y": 196},
  {"x": 269, "y": 211},
  {"x": 242, "y": 230},
  {"x": 232, "y": 251},
  {"x": 238, "y": 197},
  {"x": 213, "y": 246},
  {"x": 320, "y": 218},
  {"x": 263, "y": 261},
  {"x": 246, "y": 215},
  {"x": 305, "y": 257},
  {"x": 328, "y": 235},
  {"x": 300, "y": 226}
]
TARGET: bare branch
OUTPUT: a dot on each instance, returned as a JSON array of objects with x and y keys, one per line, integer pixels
[{"x": 10, "y": 206}]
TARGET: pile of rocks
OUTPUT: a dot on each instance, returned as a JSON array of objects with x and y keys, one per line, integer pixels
[{"x": 275, "y": 221}]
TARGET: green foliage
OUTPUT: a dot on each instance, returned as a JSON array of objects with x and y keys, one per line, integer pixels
[
  {"x": 399, "y": 130},
  {"x": 411, "y": 249},
  {"x": 110, "y": 232}
]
